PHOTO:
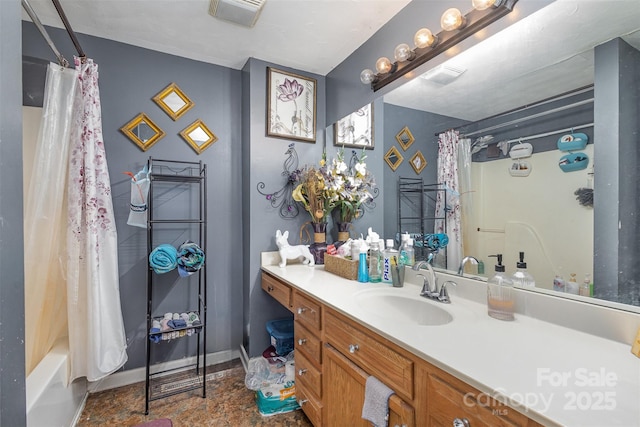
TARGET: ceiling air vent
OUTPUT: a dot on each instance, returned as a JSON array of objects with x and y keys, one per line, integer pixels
[
  {"x": 243, "y": 12},
  {"x": 443, "y": 74}
]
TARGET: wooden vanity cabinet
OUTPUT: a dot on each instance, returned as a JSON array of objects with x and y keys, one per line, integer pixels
[{"x": 335, "y": 355}]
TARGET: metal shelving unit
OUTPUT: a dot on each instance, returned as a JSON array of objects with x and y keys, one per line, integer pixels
[
  {"x": 190, "y": 178},
  {"x": 416, "y": 211}
]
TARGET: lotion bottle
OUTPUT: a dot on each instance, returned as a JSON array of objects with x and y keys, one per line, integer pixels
[
  {"x": 387, "y": 256},
  {"x": 500, "y": 296}
]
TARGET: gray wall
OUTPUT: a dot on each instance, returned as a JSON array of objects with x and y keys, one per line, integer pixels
[
  {"x": 12, "y": 380},
  {"x": 129, "y": 78},
  {"x": 617, "y": 95}
]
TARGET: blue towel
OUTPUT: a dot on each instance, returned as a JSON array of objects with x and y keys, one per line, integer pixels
[
  {"x": 190, "y": 258},
  {"x": 163, "y": 258},
  {"x": 376, "y": 402}
]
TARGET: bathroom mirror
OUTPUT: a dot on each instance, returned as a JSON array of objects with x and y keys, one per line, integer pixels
[
  {"x": 198, "y": 136},
  {"x": 173, "y": 101},
  {"x": 519, "y": 66},
  {"x": 142, "y": 131}
]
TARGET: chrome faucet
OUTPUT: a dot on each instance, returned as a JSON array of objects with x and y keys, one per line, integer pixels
[
  {"x": 473, "y": 260},
  {"x": 429, "y": 285}
]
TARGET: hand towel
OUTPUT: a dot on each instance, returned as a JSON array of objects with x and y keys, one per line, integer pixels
[
  {"x": 190, "y": 258},
  {"x": 376, "y": 402},
  {"x": 163, "y": 258}
]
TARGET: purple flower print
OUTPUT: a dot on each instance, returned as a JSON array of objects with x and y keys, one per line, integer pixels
[{"x": 290, "y": 90}]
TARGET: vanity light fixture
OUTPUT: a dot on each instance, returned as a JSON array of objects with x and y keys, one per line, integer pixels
[{"x": 455, "y": 28}]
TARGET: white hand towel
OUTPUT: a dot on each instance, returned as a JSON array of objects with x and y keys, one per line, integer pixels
[{"x": 376, "y": 402}]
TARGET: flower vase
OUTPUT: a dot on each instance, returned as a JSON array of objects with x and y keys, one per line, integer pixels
[
  {"x": 343, "y": 231},
  {"x": 319, "y": 246}
]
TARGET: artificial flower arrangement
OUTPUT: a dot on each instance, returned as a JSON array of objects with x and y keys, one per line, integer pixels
[{"x": 335, "y": 185}]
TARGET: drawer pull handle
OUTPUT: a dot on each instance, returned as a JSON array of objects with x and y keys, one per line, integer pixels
[
  {"x": 461, "y": 422},
  {"x": 353, "y": 348},
  {"x": 302, "y": 402},
  {"x": 301, "y": 372},
  {"x": 301, "y": 341},
  {"x": 301, "y": 310},
  {"x": 269, "y": 288}
]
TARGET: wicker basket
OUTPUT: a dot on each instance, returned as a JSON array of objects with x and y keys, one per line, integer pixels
[{"x": 341, "y": 266}]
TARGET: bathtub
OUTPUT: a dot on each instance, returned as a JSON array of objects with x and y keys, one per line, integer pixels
[{"x": 50, "y": 403}]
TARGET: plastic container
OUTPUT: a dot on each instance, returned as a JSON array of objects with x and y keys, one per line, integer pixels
[
  {"x": 404, "y": 249},
  {"x": 501, "y": 302},
  {"x": 375, "y": 270},
  {"x": 573, "y": 162},
  {"x": 363, "y": 270},
  {"x": 573, "y": 142},
  {"x": 522, "y": 277},
  {"x": 585, "y": 287},
  {"x": 387, "y": 258},
  {"x": 281, "y": 331},
  {"x": 572, "y": 287}
]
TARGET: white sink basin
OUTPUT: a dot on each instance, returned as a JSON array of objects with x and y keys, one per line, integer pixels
[{"x": 390, "y": 304}]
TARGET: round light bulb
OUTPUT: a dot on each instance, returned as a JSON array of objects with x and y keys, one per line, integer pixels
[
  {"x": 403, "y": 52},
  {"x": 383, "y": 65},
  {"x": 482, "y": 4},
  {"x": 452, "y": 19},
  {"x": 424, "y": 38},
  {"x": 367, "y": 76}
]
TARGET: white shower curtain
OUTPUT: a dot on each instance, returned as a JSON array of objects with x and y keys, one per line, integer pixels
[
  {"x": 45, "y": 218},
  {"x": 97, "y": 338},
  {"x": 448, "y": 176}
]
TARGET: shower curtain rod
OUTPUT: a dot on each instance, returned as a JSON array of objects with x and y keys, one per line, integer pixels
[
  {"x": 32, "y": 14},
  {"x": 563, "y": 95},
  {"x": 553, "y": 132},
  {"x": 56, "y": 3}
]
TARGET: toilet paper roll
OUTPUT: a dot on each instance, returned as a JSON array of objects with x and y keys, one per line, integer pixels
[{"x": 290, "y": 371}]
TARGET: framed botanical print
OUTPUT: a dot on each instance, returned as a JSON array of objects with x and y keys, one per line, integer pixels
[
  {"x": 405, "y": 138},
  {"x": 291, "y": 106},
  {"x": 356, "y": 129}
]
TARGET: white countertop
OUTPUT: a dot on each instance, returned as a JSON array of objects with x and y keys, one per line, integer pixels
[{"x": 552, "y": 374}]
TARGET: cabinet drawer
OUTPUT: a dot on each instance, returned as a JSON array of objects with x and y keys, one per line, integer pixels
[
  {"x": 370, "y": 353},
  {"x": 308, "y": 376},
  {"x": 278, "y": 290},
  {"x": 307, "y": 343},
  {"x": 311, "y": 407},
  {"x": 450, "y": 398},
  {"x": 307, "y": 312}
]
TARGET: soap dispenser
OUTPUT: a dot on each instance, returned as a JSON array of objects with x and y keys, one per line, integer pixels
[
  {"x": 522, "y": 277},
  {"x": 500, "y": 297}
]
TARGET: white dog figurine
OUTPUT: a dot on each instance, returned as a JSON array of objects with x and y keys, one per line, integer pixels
[{"x": 292, "y": 252}]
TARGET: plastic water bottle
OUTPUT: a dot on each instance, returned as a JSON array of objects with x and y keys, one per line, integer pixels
[{"x": 407, "y": 254}]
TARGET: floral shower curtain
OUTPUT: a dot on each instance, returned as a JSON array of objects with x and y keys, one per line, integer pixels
[
  {"x": 449, "y": 206},
  {"x": 97, "y": 338},
  {"x": 45, "y": 217}
]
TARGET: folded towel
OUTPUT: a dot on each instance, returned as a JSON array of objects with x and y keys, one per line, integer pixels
[
  {"x": 376, "y": 402},
  {"x": 190, "y": 258},
  {"x": 163, "y": 258}
]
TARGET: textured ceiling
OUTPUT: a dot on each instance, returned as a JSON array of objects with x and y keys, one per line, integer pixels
[
  {"x": 310, "y": 35},
  {"x": 544, "y": 54}
]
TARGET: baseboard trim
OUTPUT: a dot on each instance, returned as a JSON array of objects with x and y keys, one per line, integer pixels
[{"x": 133, "y": 376}]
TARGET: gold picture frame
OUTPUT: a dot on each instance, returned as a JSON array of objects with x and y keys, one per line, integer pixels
[
  {"x": 418, "y": 162},
  {"x": 405, "y": 138},
  {"x": 142, "y": 131},
  {"x": 291, "y": 106},
  {"x": 198, "y": 136},
  {"x": 393, "y": 158},
  {"x": 173, "y": 101}
]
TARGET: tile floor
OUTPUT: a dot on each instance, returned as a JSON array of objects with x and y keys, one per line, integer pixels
[{"x": 228, "y": 403}]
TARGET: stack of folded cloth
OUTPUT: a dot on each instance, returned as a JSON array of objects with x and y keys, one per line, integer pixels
[
  {"x": 174, "y": 325},
  {"x": 163, "y": 259}
]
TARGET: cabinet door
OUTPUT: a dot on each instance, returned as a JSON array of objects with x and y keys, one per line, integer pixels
[{"x": 344, "y": 385}]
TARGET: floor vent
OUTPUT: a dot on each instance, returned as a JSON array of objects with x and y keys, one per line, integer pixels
[{"x": 242, "y": 12}]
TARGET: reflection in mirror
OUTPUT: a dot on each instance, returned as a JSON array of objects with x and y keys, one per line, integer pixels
[
  {"x": 198, "y": 135},
  {"x": 143, "y": 131},
  {"x": 393, "y": 158},
  {"x": 173, "y": 101},
  {"x": 405, "y": 138},
  {"x": 569, "y": 71},
  {"x": 356, "y": 129}
]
